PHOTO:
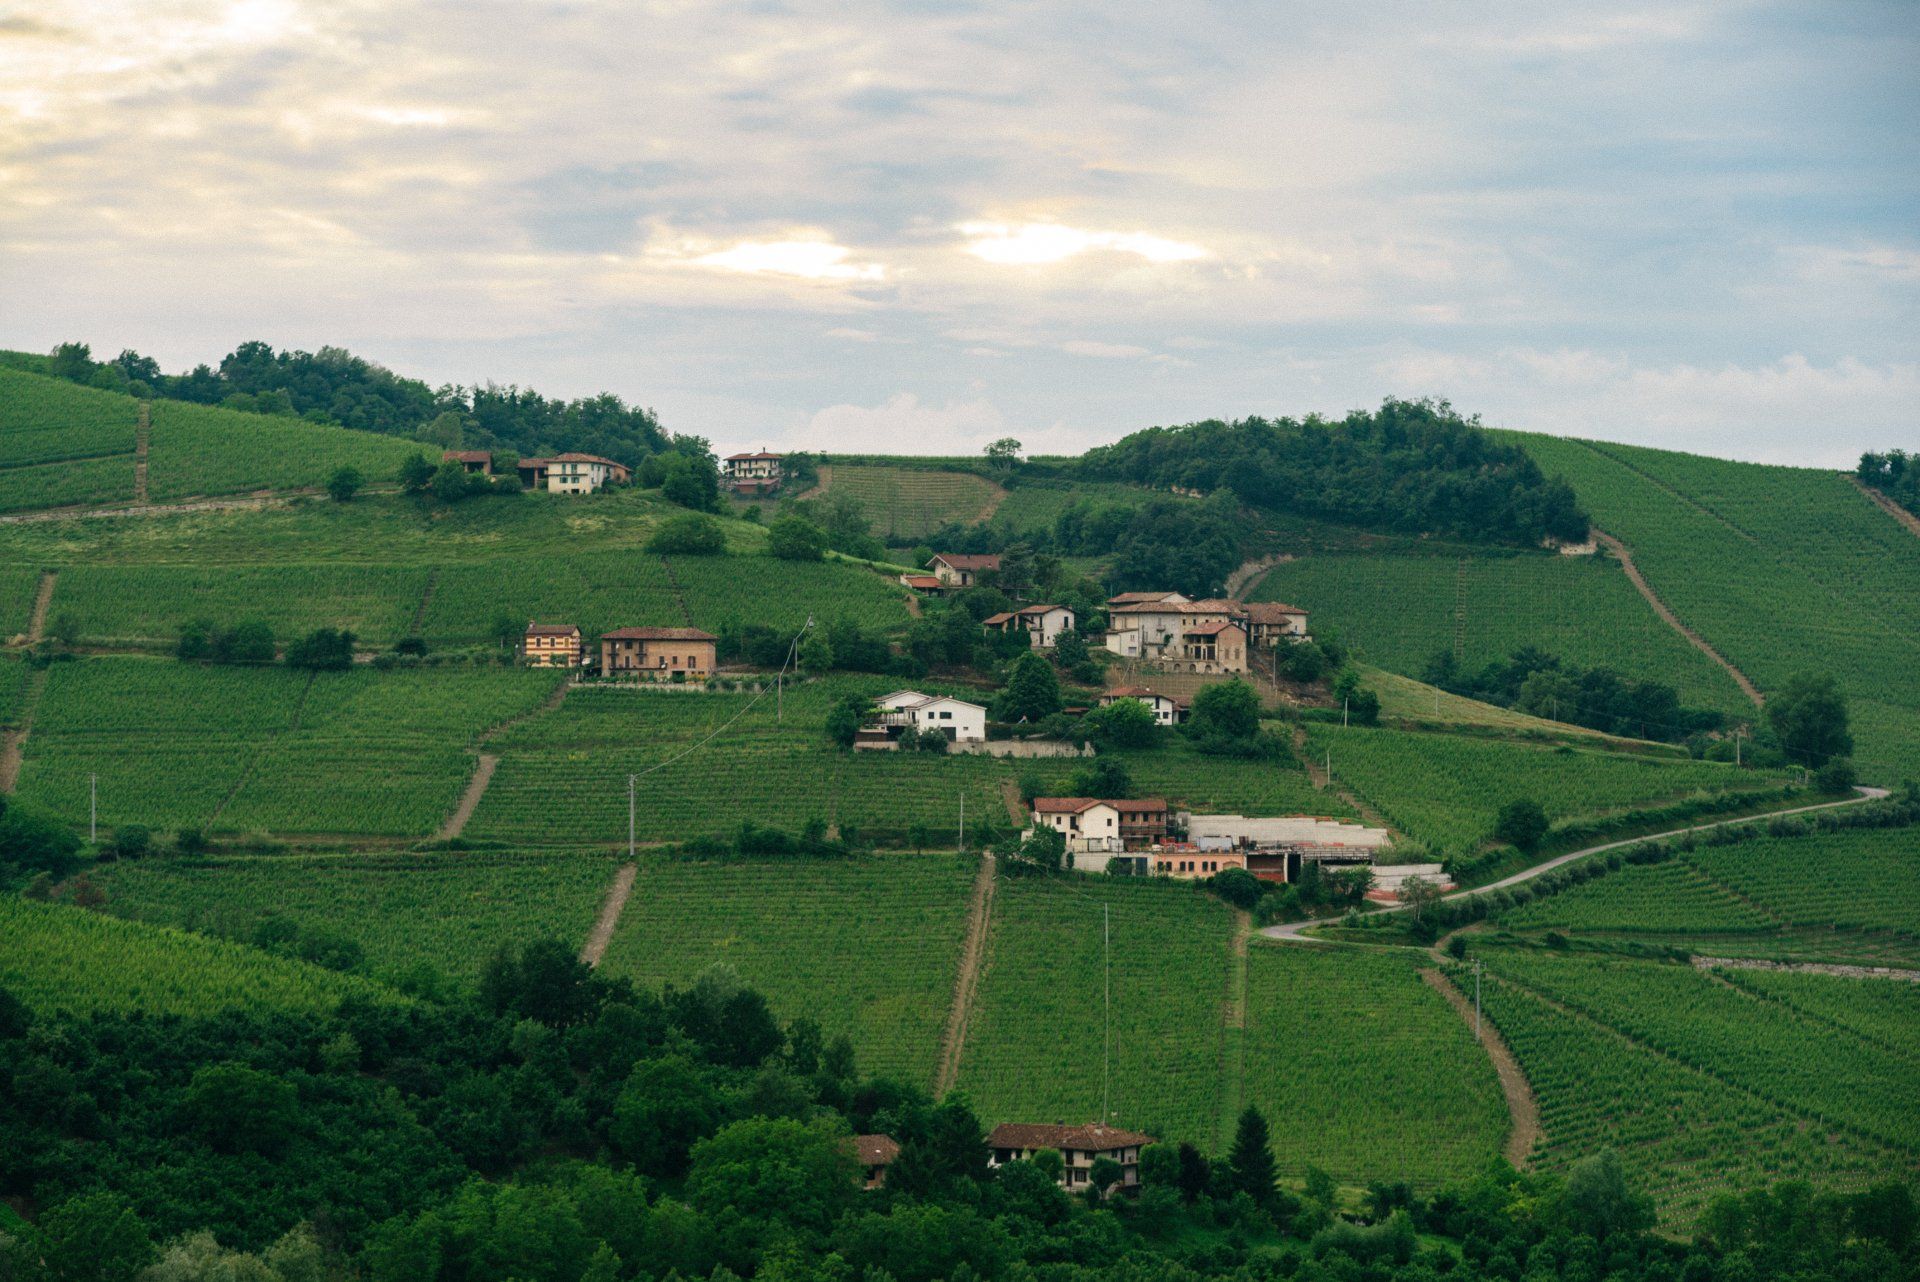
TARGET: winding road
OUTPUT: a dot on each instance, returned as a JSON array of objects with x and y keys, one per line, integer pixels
[{"x": 1295, "y": 931}]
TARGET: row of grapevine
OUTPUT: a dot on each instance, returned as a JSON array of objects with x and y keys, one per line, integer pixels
[
  {"x": 203, "y": 449},
  {"x": 907, "y": 504},
  {"x": 45, "y": 421}
]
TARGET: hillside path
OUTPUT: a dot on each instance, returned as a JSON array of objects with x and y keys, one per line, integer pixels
[
  {"x": 1294, "y": 931},
  {"x": 1247, "y": 575},
  {"x": 247, "y": 503},
  {"x": 140, "y": 433},
  {"x": 1016, "y": 808},
  {"x": 1839, "y": 969},
  {"x": 1317, "y": 775},
  {"x": 1522, "y": 1107},
  {"x": 1888, "y": 506},
  {"x": 603, "y": 926},
  {"x": 42, "y": 600},
  {"x": 470, "y": 797},
  {"x": 426, "y": 600},
  {"x": 992, "y": 504},
  {"x": 1661, "y": 608},
  {"x": 13, "y": 744},
  {"x": 954, "y": 1038}
]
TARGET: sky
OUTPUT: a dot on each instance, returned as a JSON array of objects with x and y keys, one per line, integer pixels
[{"x": 916, "y": 227}]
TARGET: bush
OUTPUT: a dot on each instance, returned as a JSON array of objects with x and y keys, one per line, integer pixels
[
  {"x": 689, "y": 534},
  {"x": 322, "y": 650},
  {"x": 793, "y": 538},
  {"x": 344, "y": 484},
  {"x": 1836, "y": 776},
  {"x": 1522, "y": 824}
]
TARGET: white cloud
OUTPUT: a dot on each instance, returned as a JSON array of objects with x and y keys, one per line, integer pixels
[
  {"x": 1108, "y": 351},
  {"x": 962, "y": 427},
  {"x": 809, "y": 259},
  {"x": 1023, "y": 244}
]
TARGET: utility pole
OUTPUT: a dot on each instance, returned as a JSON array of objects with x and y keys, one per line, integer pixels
[
  {"x": 630, "y": 782},
  {"x": 1736, "y": 748},
  {"x": 1476, "y": 999},
  {"x": 1346, "y": 706},
  {"x": 93, "y": 808},
  {"x": 963, "y": 823},
  {"x": 1106, "y": 1048}
]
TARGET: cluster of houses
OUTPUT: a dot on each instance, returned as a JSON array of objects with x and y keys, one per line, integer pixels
[
  {"x": 1079, "y": 1148},
  {"x": 650, "y": 654},
  {"x": 561, "y": 474},
  {"x": 1173, "y": 632},
  {"x": 1139, "y": 836}
]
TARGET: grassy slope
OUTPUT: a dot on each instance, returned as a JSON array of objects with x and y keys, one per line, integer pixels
[
  {"x": 907, "y": 504},
  {"x": 53, "y": 956},
  {"x": 1781, "y": 569}
]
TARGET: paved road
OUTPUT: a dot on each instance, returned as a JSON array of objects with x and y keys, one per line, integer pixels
[{"x": 1295, "y": 930}]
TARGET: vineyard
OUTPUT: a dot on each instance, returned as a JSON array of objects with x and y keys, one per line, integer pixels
[
  {"x": 1879, "y": 1011},
  {"x": 149, "y": 604},
  {"x": 202, "y": 449},
  {"x": 1672, "y": 897},
  {"x": 1687, "y": 1134},
  {"x": 1398, "y": 612},
  {"x": 447, "y": 913},
  {"x": 101, "y": 480},
  {"x": 1861, "y": 880},
  {"x": 1781, "y": 569},
  {"x": 865, "y": 947},
  {"x": 1035, "y": 1037},
  {"x": 1765, "y": 1049},
  {"x": 1360, "y": 1067},
  {"x": 175, "y": 745},
  {"x": 595, "y": 591},
  {"x": 907, "y": 504},
  {"x": 45, "y": 421},
  {"x": 1447, "y": 790},
  {"x": 57, "y": 957}
]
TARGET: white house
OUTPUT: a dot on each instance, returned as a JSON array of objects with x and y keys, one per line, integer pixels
[
  {"x": 960, "y": 721},
  {"x": 963, "y": 569},
  {"x": 572, "y": 473},
  {"x": 753, "y": 472},
  {"x": 1043, "y": 624},
  {"x": 1167, "y": 710},
  {"x": 1097, "y": 829}
]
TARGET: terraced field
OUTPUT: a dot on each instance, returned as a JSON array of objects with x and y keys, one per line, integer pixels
[
  {"x": 866, "y": 947},
  {"x": 1035, "y": 1040},
  {"x": 59, "y": 957},
  {"x": 202, "y": 449},
  {"x": 1483, "y": 608},
  {"x": 907, "y": 504},
  {"x": 1781, "y": 569},
  {"x": 446, "y": 912},
  {"x": 1447, "y": 790},
  {"x": 1360, "y": 1067}
]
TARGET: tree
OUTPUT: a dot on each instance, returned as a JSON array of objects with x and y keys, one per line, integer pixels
[
  {"x": 322, "y": 650},
  {"x": 1238, "y": 887},
  {"x": 663, "y": 1110},
  {"x": 1522, "y": 824},
  {"x": 816, "y": 651},
  {"x": 845, "y": 718},
  {"x": 33, "y": 843},
  {"x": 505, "y": 631},
  {"x": 1032, "y": 690},
  {"x": 689, "y": 534},
  {"x": 1106, "y": 1173},
  {"x": 1597, "y": 1201},
  {"x": 196, "y": 641},
  {"x": 250, "y": 641},
  {"x": 1224, "y": 712},
  {"x": 1003, "y": 453},
  {"x": 130, "y": 841},
  {"x": 691, "y": 482},
  {"x": 775, "y": 1170},
  {"x": 416, "y": 474},
  {"x": 1251, "y": 1168},
  {"x": 1043, "y": 849},
  {"x": 1836, "y": 776},
  {"x": 450, "y": 483},
  {"x": 344, "y": 484},
  {"x": 793, "y": 538},
  {"x": 1103, "y": 777},
  {"x": 1809, "y": 714},
  {"x": 96, "y": 1237},
  {"x": 1418, "y": 894},
  {"x": 1124, "y": 723},
  {"x": 87, "y": 894},
  {"x": 237, "y": 1109}
]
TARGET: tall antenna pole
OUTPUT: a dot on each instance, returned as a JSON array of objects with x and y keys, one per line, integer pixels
[
  {"x": 1106, "y": 1047},
  {"x": 630, "y": 782}
]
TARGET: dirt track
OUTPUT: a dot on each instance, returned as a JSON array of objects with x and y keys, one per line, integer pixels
[
  {"x": 1660, "y": 608},
  {"x": 1888, "y": 506},
  {"x": 603, "y": 926},
  {"x": 1521, "y": 1105},
  {"x": 954, "y": 1039}
]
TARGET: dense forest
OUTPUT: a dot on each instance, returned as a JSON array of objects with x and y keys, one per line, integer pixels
[
  {"x": 1895, "y": 474},
  {"x": 555, "y": 1126},
  {"x": 1415, "y": 467},
  {"x": 333, "y": 385}
]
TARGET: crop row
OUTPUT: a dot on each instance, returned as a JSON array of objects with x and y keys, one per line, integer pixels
[
  {"x": 1672, "y": 896},
  {"x": 1882, "y": 1011},
  {"x": 1762, "y": 1047},
  {"x": 1863, "y": 878},
  {"x": 906, "y": 504},
  {"x": 1686, "y": 1134},
  {"x": 867, "y": 947},
  {"x": 152, "y": 603},
  {"x": 1363, "y": 1069},
  {"x": 448, "y": 912},
  {"x": 202, "y": 449},
  {"x": 45, "y": 420},
  {"x": 1448, "y": 791},
  {"x": 1037, "y": 1041},
  {"x": 60, "y": 957}
]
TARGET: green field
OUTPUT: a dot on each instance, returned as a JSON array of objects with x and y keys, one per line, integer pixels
[
  {"x": 177, "y": 745},
  {"x": 1360, "y": 1068},
  {"x": 1882, "y": 1011},
  {"x": 1446, "y": 790},
  {"x": 1397, "y": 612},
  {"x": 866, "y": 947},
  {"x": 1781, "y": 569},
  {"x": 45, "y": 421},
  {"x": 149, "y": 604},
  {"x": 1686, "y": 1134},
  {"x": 202, "y": 449},
  {"x": 907, "y": 504},
  {"x": 449, "y": 912},
  {"x": 54, "y": 957},
  {"x": 1035, "y": 1037}
]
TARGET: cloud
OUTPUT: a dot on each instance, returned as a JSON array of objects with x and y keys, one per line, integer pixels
[
  {"x": 1109, "y": 351},
  {"x": 1025, "y": 244},
  {"x": 962, "y": 427},
  {"x": 809, "y": 259}
]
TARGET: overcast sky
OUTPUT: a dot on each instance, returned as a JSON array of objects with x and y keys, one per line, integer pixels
[{"x": 914, "y": 227}]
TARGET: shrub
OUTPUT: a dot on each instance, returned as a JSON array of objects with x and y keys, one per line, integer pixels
[
  {"x": 322, "y": 650},
  {"x": 689, "y": 534},
  {"x": 1522, "y": 824},
  {"x": 793, "y": 538}
]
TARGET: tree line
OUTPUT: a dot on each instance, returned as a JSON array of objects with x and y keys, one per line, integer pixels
[{"x": 1896, "y": 474}]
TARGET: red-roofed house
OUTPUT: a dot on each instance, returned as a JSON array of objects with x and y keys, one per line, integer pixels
[
  {"x": 961, "y": 569},
  {"x": 553, "y": 645},
  {"x": 1078, "y": 1147},
  {"x": 658, "y": 654},
  {"x": 1043, "y": 624},
  {"x": 1167, "y": 709},
  {"x": 1099, "y": 828},
  {"x": 572, "y": 473},
  {"x": 922, "y": 582},
  {"x": 752, "y": 473},
  {"x": 471, "y": 460},
  {"x": 1273, "y": 622}
]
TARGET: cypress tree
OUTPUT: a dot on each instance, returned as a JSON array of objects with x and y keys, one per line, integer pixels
[{"x": 1250, "y": 1162}]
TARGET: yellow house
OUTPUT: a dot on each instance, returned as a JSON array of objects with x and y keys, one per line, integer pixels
[{"x": 553, "y": 645}]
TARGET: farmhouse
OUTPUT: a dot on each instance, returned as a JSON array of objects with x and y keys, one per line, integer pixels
[
  {"x": 921, "y": 582},
  {"x": 754, "y": 473},
  {"x": 958, "y": 720},
  {"x": 1146, "y": 598},
  {"x": 1206, "y": 636},
  {"x": 1186, "y": 861},
  {"x": 475, "y": 461},
  {"x": 1168, "y": 710},
  {"x": 572, "y": 473},
  {"x": 1270, "y": 623},
  {"x": 875, "y": 1153},
  {"x": 1078, "y": 1146},
  {"x": 1209, "y": 647},
  {"x": 658, "y": 654},
  {"x": 1043, "y": 624},
  {"x": 553, "y": 645},
  {"x": 1097, "y": 829},
  {"x": 962, "y": 570}
]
